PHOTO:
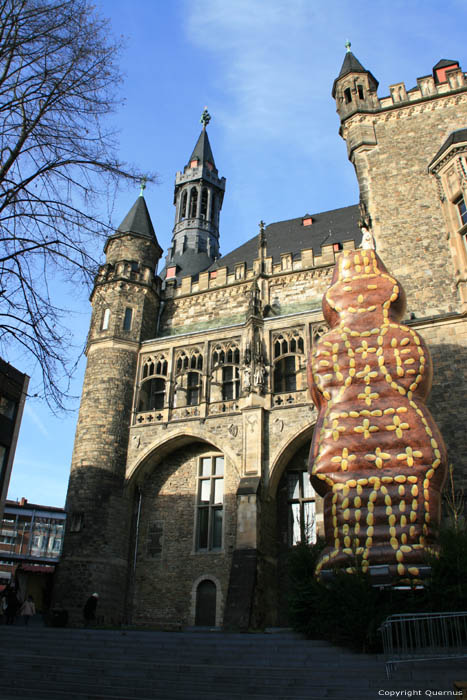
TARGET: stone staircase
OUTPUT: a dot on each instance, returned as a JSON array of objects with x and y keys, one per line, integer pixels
[{"x": 76, "y": 664}]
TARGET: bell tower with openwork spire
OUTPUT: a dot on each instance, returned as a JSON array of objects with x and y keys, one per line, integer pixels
[{"x": 199, "y": 192}]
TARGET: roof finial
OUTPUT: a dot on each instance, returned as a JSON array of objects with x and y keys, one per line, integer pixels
[
  {"x": 348, "y": 45},
  {"x": 143, "y": 186},
  {"x": 205, "y": 118}
]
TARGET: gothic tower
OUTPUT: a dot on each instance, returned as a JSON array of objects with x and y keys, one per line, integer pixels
[
  {"x": 125, "y": 302},
  {"x": 199, "y": 192}
]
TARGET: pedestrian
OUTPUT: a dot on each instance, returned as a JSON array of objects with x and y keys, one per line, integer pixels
[
  {"x": 11, "y": 606},
  {"x": 89, "y": 610},
  {"x": 28, "y": 609}
]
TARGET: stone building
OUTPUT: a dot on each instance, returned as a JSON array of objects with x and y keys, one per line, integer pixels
[{"x": 188, "y": 482}]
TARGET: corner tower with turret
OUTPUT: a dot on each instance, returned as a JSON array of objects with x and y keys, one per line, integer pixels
[
  {"x": 125, "y": 302},
  {"x": 199, "y": 192}
]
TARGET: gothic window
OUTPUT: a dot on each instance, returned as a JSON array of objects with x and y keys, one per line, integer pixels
[
  {"x": 462, "y": 210},
  {"x": 301, "y": 508},
  {"x": 193, "y": 202},
  {"x": 288, "y": 348},
  {"x": 204, "y": 203},
  {"x": 105, "y": 320},
  {"x": 183, "y": 206},
  {"x": 154, "y": 376},
  {"x": 210, "y": 503},
  {"x": 225, "y": 385},
  {"x": 127, "y": 319},
  {"x": 188, "y": 377}
]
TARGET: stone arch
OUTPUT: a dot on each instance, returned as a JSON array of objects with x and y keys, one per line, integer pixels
[
  {"x": 219, "y": 597},
  {"x": 166, "y": 444},
  {"x": 285, "y": 451}
]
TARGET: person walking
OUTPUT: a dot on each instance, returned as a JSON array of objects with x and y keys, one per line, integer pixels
[
  {"x": 89, "y": 610},
  {"x": 28, "y": 609},
  {"x": 12, "y": 606}
]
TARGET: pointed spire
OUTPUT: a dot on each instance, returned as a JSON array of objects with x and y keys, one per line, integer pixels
[
  {"x": 351, "y": 64},
  {"x": 138, "y": 220},
  {"x": 202, "y": 151}
]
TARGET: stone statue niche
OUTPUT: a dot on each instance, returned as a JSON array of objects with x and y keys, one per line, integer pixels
[{"x": 377, "y": 457}]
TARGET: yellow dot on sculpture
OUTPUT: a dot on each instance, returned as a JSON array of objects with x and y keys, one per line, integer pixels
[
  {"x": 357, "y": 501},
  {"x": 413, "y": 571},
  {"x": 399, "y": 556},
  {"x": 414, "y": 490},
  {"x": 346, "y": 514},
  {"x": 394, "y": 543},
  {"x": 403, "y": 538},
  {"x": 337, "y": 543},
  {"x": 370, "y": 531},
  {"x": 373, "y": 496},
  {"x": 402, "y": 506},
  {"x": 369, "y": 519},
  {"x": 357, "y": 515},
  {"x": 357, "y": 528},
  {"x": 392, "y": 531},
  {"x": 387, "y": 500},
  {"x": 414, "y": 504},
  {"x": 392, "y": 520},
  {"x": 403, "y": 521},
  {"x": 347, "y": 541},
  {"x": 412, "y": 479}
]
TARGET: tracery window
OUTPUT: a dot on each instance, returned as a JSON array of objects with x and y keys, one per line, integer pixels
[
  {"x": 288, "y": 348},
  {"x": 188, "y": 377},
  {"x": 225, "y": 363},
  {"x": 153, "y": 386}
]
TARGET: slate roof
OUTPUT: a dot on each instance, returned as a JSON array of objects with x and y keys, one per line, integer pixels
[
  {"x": 138, "y": 220},
  {"x": 351, "y": 64},
  {"x": 458, "y": 136},
  {"x": 202, "y": 150},
  {"x": 292, "y": 236},
  {"x": 444, "y": 62}
]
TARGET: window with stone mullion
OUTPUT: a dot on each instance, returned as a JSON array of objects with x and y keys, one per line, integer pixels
[{"x": 210, "y": 508}]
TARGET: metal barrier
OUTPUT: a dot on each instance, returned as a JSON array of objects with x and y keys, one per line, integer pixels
[{"x": 423, "y": 637}]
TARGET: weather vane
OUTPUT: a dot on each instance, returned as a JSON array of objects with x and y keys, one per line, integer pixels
[
  {"x": 143, "y": 186},
  {"x": 348, "y": 45},
  {"x": 205, "y": 117}
]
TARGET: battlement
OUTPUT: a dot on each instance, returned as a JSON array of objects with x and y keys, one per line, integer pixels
[
  {"x": 224, "y": 276},
  {"x": 426, "y": 88}
]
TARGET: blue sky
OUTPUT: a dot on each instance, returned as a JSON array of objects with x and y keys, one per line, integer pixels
[{"x": 265, "y": 69}]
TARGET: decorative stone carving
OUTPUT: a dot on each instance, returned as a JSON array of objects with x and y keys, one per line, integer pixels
[{"x": 377, "y": 456}]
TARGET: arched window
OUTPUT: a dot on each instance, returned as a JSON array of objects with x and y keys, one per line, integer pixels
[
  {"x": 188, "y": 377},
  {"x": 347, "y": 96},
  {"x": 288, "y": 348},
  {"x": 105, "y": 320},
  {"x": 183, "y": 206},
  {"x": 204, "y": 203},
  {"x": 193, "y": 202},
  {"x": 225, "y": 383},
  {"x": 153, "y": 387}
]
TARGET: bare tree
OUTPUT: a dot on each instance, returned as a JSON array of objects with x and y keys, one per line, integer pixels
[{"x": 58, "y": 81}]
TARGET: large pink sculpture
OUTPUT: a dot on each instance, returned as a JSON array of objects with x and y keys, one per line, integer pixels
[{"x": 377, "y": 456}]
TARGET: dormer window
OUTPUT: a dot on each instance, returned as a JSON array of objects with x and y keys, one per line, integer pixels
[
  {"x": 307, "y": 220},
  {"x": 194, "y": 163}
]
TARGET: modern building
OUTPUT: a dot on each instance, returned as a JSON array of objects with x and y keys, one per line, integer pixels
[
  {"x": 31, "y": 543},
  {"x": 189, "y": 476},
  {"x": 13, "y": 388}
]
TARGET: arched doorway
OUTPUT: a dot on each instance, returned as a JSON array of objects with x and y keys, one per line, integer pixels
[{"x": 206, "y": 599}]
